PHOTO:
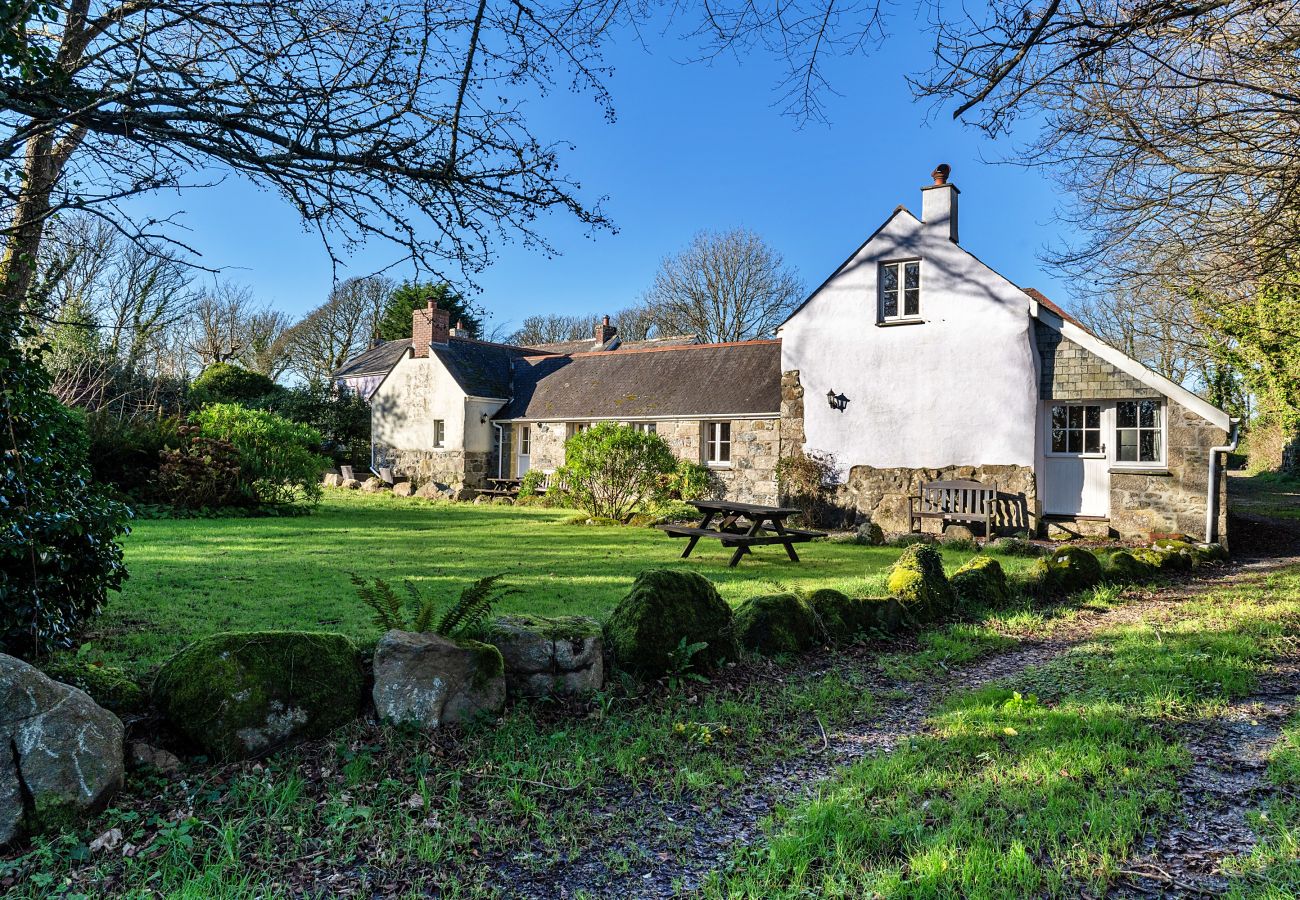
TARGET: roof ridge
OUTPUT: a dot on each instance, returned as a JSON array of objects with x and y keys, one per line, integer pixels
[{"x": 614, "y": 353}]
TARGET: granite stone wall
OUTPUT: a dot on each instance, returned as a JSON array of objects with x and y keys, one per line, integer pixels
[{"x": 456, "y": 468}]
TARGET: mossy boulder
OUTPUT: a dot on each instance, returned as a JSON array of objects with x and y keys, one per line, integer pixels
[
  {"x": 918, "y": 581},
  {"x": 109, "y": 686},
  {"x": 559, "y": 655},
  {"x": 885, "y": 614},
  {"x": 1126, "y": 568},
  {"x": 838, "y": 615},
  {"x": 980, "y": 582},
  {"x": 426, "y": 680},
  {"x": 237, "y": 695},
  {"x": 1165, "y": 560},
  {"x": 776, "y": 623},
  {"x": 1067, "y": 570},
  {"x": 663, "y": 608},
  {"x": 1196, "y": 554}
]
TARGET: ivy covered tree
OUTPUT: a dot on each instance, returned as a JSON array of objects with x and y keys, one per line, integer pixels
[{"x": 395, "y": 322}]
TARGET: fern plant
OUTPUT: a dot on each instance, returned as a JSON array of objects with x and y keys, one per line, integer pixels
[{"x": 462, "y": 618}]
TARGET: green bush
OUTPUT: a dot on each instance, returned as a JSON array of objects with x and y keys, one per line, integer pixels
[
  {"x": 613, "y": 471},
  {"x": 240, "y": 695},
  {"x": 530, "y": 483},
  {"x": 59, "y": 555},
  {"x": 911, "y": 539},
  {"x": 690, "y": 481},
  {"x": 125, "y": 452},
  {"x": 230, "y": 383},
  {"x": 201, "y": 473},
  {"x": 1124, "y": 567},
  {"x": 776, "y": 623},
  {"x": 917, "y": 579},
  {"x": 278, "y": 459},
  {"x": 341, "y": 418},
  {"x": 664, "y": 608},
  {"x": 981, "y": 582}
]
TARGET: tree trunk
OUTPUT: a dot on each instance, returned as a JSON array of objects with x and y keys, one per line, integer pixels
[{"x": 27, "y": 227}]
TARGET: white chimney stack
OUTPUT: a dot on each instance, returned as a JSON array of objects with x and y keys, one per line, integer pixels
[{"x": 939, "y": 204}]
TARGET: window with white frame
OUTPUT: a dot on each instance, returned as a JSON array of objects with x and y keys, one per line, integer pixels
[
  {"x": 717, "y": 443},
  {"x": 1076, "y": 428},
  {"x": 439, "y": 432},
  {"x": 525, "y": 440},
  {"x": 900, "y": 290},
  {"x": 1138, "y": 431},
  {"x": 646, "y": 427}
]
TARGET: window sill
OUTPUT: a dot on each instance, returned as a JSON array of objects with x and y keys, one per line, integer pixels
[
  {"x": 1139, "y": 470},
  {"x": 890, "y": 323},
  {"x": 713, "y": 465}
]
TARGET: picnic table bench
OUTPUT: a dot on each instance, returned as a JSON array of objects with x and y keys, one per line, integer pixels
[
  {"x": 501, "y": 487},
  {"x": 741, "y": 525},
  {"x": 954, "y": 501}
]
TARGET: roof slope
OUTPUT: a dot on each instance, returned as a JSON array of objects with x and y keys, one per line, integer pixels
[
  {"x": 480, "y": 368},
  {"x": 588, "y": 345},
  {"x": 375, "y": 361},
  {"x": 693, "y": 380}
]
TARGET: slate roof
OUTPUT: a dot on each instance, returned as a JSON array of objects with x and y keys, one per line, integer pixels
[
  {"x": 588, "y": 345},
  {"x": 1043, "y": 301},
  {"x": 741, "y": 378},
  {"x": 480, "y": 368},
  {"x": 375, "y": 361}
]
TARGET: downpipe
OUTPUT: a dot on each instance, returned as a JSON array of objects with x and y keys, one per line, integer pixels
[{"x": 1212, "y": 489}]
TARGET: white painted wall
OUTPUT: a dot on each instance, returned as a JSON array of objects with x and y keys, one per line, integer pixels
[
  {"x": 959, "y": 389},
  {"x": 415, "y": 393}
]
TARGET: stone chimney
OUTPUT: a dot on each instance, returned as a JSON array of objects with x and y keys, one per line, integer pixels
[
  {"x": 605, "y": 332},
  {"x": 939, "y": 204},
  {"x": 428, "y": 326},
  {"x": 459, "y": 330}
]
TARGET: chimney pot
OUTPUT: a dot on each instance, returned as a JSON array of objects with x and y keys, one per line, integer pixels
[
  {"x": 941, "y": 173},
  {"x": 605, "y": 332}
]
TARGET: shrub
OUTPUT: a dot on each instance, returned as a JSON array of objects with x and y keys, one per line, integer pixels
[
  {"x": 807, "y": 481},
  {"x": 911, "y": 539},
  {"x": 202, "y": 473},
  {"x": 1126, "y": 568},
  {"x": 230, "y": 383},
  {"x": 529, "y": 484},
  {"x": 981, "y": 582},
  {"x": 278, "y": 459},
  {"x": 341, "y": 418},
  {"x": 690, "y": 481},
  {"x": 239, "y": 695},
  {"x": 59, "y": 555},
  {"x": 918, "y": 581},
  {"x": 125, "y": 453},
  {"x": 776, "y": 623},
  {"x": 664, "y": 608},
  {"x": 463, "y": 618},
  {"x": 612, "y": 471}
]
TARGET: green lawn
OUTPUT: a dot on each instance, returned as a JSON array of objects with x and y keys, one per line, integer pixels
[{"x": 192, "y": 577}]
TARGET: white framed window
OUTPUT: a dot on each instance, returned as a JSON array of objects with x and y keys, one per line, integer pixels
[
  {"x": 439, "y": 432},
  {"x": 525, "y": 440},
  {"x": 900, "y": 290},
  {"x": 717, "y": 443},
  {"x": 1076, "y": 430},
  {"x": 1139, "y": 431},
  {"x": 646, "y": 427}
]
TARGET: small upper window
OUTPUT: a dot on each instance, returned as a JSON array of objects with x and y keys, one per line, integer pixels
[
  {"x": 1137, "y": 431},
  {"x": 646, "y": 427},
  {"x": 439, "y": 432},
  {"x": 900, "y": 290},
  {"x": 717, "y": 443}
]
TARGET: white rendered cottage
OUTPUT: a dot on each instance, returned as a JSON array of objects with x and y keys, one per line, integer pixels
[
  {"x": 912, "y": 362},
  {"x": 945, "y": 369}
]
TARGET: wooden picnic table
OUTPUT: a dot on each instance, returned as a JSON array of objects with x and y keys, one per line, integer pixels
[
  {"x": 742, "y": 525},
  {"x": 501, "y": 487}
]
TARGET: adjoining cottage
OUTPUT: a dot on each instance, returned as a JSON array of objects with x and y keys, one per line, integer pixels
[{"x": 913, "y": 361}]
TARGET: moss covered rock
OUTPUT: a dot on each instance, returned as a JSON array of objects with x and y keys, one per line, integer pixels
[
  {"x": 1070, "y": 569},
  {"x": 838, "y": 615},
  {"x": 559, "y": 655},
  {"x": 981, "y": 582},
  {"x": 1165, "y": 560},
  {"x": 426, "y": 680},
  {"x": 109, "y": 686},
  {"x": 918, "y": 581},
  {"x": 776, "y": 623},
  {"x": 244, "y": 694},
  {"x": 1123, "y": 566},
  {"x": 1196, "y": 554},
  {"x": 662, "y": 608}
]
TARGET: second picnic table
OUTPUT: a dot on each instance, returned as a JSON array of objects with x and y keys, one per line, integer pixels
[{"x": 742, "y": 525}]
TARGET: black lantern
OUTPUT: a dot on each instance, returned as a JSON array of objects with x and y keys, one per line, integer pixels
[{"x": 837, "y": 401}]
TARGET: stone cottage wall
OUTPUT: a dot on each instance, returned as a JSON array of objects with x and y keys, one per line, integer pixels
[
  {"x": 455, "y": 468},
  {"x": 1172, "y": 500}
]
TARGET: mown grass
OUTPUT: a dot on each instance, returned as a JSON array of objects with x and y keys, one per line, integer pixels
[
  {"x": 1009, "y": 794},
  {"x": 1269, "y": 494},
  {"x": 193, "y": 577}
]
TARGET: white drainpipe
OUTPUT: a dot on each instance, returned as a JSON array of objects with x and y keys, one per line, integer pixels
[{"x": 1212, "y": 491}]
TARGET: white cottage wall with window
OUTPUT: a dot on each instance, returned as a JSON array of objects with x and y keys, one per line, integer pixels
[{"x": 951, "y": 385}]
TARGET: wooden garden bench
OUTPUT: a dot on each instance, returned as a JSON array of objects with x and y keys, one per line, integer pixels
[{"x": 954, "y": 502}]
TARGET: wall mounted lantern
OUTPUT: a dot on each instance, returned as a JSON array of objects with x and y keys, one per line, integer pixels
[
  {"x": 837, "y": 401},
  {"x": 482, "y": 418}
]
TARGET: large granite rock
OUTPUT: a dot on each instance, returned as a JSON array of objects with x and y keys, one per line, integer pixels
[
  {"x": 373, "y": 485},
  {"x": 332, "y": 479},
  {"x": 427, "y": 680},
  {"x": 60, "y": 752},
  {"x": 246, "y": 694},
  {"x": 403, "y": 489},
  {"x": 436, "y": 490},
  {"x": 664, "y": 608},
  {"x": 563, "y": 655}
]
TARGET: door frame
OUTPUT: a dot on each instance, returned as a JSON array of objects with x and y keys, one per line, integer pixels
[{"x": 1101, "y": 461}]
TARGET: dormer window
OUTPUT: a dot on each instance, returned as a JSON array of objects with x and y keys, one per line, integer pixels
[{"x": 900, "y": 290}]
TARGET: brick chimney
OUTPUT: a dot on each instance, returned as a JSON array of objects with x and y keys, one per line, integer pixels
[
  {"x": 459, "y": 330},
  {"x": 605, "y": 332},
  {"x": 939, "y": 204},
  {"x": 428, "y": 326}
]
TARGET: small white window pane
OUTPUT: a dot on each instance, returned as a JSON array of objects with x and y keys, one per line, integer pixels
[
  {"x": 1076, "y": 416},
  {"x": 1149, "y": 446},
  {"x": 912, "y": 275},
  {"x": 889, "y": 277},
  {"x": 1147, "y": 413},
  {"x": 1128, "y": 445},
  {"x": 1092, "y": 441},
  {"x": 1058, "y": 440},
  {"x": 1126, "y": 414},
  {"x": 1092, "y": 417},
  {"x": 889, "y": 304},
  {"x": 911, "y": 302}
]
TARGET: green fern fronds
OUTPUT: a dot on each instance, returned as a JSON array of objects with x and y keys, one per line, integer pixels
[
  {"x": 381, "y": 598},
  {"x": 472, "y": 609}
]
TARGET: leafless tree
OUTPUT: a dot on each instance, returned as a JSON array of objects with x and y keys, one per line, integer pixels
[
  {"x": 266, "y": 343},
  {"x": 635, "y": 323},
  {"x": 552, "y": 328},
  {"x": 725, "y": 286},
  {"x": 217, "y": 325},
  {"x": 337, "y": 329}
]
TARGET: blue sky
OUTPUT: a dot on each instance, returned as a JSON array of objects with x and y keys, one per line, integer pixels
[{"x": 694, "y": 147}]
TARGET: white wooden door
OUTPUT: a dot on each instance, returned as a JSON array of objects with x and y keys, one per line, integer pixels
[
  {"x": 524, "y": 449},
  {"x": 1076, "y": 464}
]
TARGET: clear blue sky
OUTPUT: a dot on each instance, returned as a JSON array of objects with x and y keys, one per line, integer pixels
[{"x": 694, "y": 146}]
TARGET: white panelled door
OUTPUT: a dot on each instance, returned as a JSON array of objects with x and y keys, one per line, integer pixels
[
  {"x": 524, "y": 450},
  {"x": 1076, "y": 466}
]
